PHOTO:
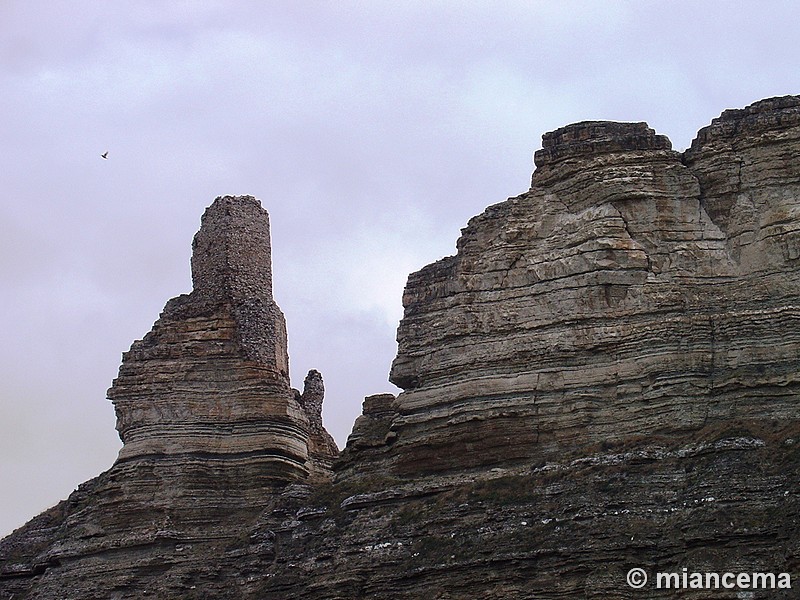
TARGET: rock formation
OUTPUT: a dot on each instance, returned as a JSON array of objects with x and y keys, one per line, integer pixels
[
  {"x": 209, "y": 423},
  {"x": 621, "y": 309},
  {"x": 322, "y": 449},
  {"x": 212, "y": 377},
  {"x": 605, "y": 376}
]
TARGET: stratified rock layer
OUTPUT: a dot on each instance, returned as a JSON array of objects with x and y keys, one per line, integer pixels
[
  {"x": 210, "y": 427},
  {"x": 605, "y": 376},
  {"x": 746, "y": 164},
  {"x": 322, "y": 449},
  {"x": 607, "y": 303},
  {"x": 212, "y": 377}
]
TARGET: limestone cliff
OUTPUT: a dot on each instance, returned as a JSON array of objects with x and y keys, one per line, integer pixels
[
  {"x": 605, "y": 376},
  {"x": 607, "y": 303}
]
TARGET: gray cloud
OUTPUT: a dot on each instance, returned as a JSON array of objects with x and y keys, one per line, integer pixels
[{"x": 371, "y": 132}]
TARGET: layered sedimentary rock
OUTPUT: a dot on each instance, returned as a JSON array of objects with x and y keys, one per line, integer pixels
[
  {"x": 606, "y": 302},
  {"x": 210, "y": 426},
  {"x": 746, "y": 164},
  {"x": 605, "y": 376},
  {"x": 212, "y": 377}
]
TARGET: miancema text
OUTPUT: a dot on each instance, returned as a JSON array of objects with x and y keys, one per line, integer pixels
[{"x": 711, "y": 581}]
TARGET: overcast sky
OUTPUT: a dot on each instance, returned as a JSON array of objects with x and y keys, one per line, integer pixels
[{"x": 370, "y": 131}]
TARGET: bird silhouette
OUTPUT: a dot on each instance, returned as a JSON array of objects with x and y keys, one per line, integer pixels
[{"x": 105, "y": 155}]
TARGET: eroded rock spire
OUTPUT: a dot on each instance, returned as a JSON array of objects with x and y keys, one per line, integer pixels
[
  {"x": 322, "y": 449},
  {"x": 212, "y": 375}
]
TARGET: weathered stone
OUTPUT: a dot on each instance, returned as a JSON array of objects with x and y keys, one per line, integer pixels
[
  {"x": 210, "y": 428},
  {"x": 605, "y": 376},
  {"x": 368, "y": 447},
  {"x": 746, "y": 163},
  {"x": 594, "y": 138},
  {"x": 602, "y": 304},
  {"x": 212, "y": 376},
  {"x": 322, "y": 449}
]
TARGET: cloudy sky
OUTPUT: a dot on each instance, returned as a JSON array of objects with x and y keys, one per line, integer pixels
[{"x": 371, "y": 132}]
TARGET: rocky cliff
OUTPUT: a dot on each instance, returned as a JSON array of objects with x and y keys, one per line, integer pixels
[
  {"x": 210, "y": 428},
  {"x": 605, "y": 376}
]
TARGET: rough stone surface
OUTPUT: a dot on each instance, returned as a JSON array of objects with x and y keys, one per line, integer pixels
[
  {"x": 210, "y": 428},
  {"x": 604, "y": 303},
  {"x": 605, "y": 376},
  {"x": 212, "y": 376},
  {"x": 322, "y": 449}
]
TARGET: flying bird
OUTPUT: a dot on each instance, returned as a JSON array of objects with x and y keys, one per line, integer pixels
[{"x": 105, "y": 155}]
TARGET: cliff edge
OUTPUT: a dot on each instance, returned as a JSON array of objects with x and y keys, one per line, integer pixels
[{"x": 604, "y": 377}]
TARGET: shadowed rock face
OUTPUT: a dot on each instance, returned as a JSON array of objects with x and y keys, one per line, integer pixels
[
  {"x": 605, "y": 376},
  {"x": 322, "y": 449}
]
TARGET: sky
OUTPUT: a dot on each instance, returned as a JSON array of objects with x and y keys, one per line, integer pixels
[{"x": 370, "y": 131}]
